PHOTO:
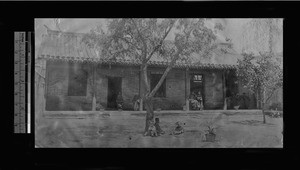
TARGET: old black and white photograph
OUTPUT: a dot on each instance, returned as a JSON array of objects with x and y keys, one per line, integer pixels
[{"x": 158, "y": 83}]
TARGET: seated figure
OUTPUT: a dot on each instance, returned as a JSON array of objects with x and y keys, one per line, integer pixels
[
  {"x": 136, "y": 102},
  {"x": 158, "y": 129},
  {"x": 152, "y": 129},
  {"x": 178, "y": 129},
  {"x": 119, "y": 101}
]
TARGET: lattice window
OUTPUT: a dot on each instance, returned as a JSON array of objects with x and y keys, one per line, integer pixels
[{"x": 197, "y": 78}]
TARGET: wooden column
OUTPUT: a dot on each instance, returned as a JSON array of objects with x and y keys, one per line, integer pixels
[
  {"x": 140, "y": 88},
  {"x": 224, "y": 90},
  {"x": 187, "y": 89}
]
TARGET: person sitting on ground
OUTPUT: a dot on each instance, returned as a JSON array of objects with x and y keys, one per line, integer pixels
[
  {"x": 152, "y": 129},
  {"x": 178, "y": 129},
  {"x": 119, "y": 101},
  {"x": 158, "y": 129}
]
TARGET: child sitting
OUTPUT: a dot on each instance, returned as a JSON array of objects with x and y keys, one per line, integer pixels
[
  {"x": 158, "y": 129},
  {"x": 152, "y": 129},
  {"x": 178, "y": 129}
]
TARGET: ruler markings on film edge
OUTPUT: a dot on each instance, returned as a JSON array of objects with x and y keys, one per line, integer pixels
[
  {"x": 29, "y": 53},
  {"x": 20, "y": 83}
]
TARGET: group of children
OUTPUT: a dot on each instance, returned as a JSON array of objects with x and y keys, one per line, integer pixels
[{"x": 155, "y": 129}]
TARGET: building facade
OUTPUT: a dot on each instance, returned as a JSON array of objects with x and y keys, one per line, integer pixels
[{"x": 71, "y": 73}]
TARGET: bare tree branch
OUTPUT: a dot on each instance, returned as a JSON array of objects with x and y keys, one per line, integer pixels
[
  {"x": 272, "y": 92},
  {"x": 142, "y": 39},
  {"x": 151, "y": 94},
  {"x": 161, "y": 41}
]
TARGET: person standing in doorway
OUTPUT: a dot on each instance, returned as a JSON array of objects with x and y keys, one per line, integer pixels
[
  {"x": 119, "y": 101},
  {"x": 136, "y": 102},
  {"x": 200, "y": 100}
]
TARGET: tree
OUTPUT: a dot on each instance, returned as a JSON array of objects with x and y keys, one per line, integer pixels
[
  {"x": 260, "y": 36},
  {"x": 142, "y": 39},
  {"x": 93, "y": 40},
  {"x": 262, "y": 75}
]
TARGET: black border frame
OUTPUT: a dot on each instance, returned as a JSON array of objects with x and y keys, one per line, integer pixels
[{"x": 19, "y": 16}]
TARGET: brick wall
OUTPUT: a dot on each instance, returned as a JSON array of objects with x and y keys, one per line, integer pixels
[
  {"x": 56, "y": 85},
  {"x": 175, "y": 90},
  {"x": 213, "y": 88},
  {"x": 130, "y": 83},
  {"x": 58, "y": 99}
]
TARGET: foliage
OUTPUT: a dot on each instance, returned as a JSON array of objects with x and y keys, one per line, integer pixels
[
  {"x": 262, "y": 74},
  {"x": 235, "y": 100},
  {"x": 276, "y": 106},
  {"x": 144, "y": 39},
  {"x": 219, "y": 26},
  {"x": 213, "y": 123},
  {"x": 141, "y": 39}
]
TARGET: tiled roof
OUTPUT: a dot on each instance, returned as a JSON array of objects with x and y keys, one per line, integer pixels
[{"x": 68, "y": 47}]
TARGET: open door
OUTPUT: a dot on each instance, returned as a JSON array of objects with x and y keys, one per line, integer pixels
[
  {"x": 196, "y": 85},
  {"x": 113, "y": 89}
]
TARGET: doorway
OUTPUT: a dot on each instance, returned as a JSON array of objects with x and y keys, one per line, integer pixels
[
  {"x": 114, "y": 87},
  {"x": 196, "y": 85}
]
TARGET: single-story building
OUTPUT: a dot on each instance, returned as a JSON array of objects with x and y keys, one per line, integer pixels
[{"x": 64, "y": 78}]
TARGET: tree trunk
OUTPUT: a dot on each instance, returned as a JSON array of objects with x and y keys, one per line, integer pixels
[
  {"x": 263, "y": 105},
  {"x": 263, "y": 112},
  {"x": 149, "y": 114},
  {"x": 148, "y": 94},
  {"x": 146, "y": 99},
  {"x": 257, "y": 100},
  {"x": 142, "y": 89}
]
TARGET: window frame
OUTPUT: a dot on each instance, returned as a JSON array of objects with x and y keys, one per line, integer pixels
[{"x": 162, "y": 88}]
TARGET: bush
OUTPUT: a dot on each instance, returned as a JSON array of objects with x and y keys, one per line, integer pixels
[{"x": 276, "y": 106}]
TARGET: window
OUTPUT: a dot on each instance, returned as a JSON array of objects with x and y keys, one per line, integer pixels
[
  {"x": 197, "y": 78},
  {"x": 77, "y": 80},
  {"x": 154, "y": 79}
]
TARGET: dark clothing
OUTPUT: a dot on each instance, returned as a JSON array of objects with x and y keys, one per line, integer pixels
[
  {"x": 178, "y": 130},
  {"x": 245, "y": 101},
  {"x": 119, "y": 99},
  {"x": 135, "y": 98},
  {"x": 158, "y": 129}
]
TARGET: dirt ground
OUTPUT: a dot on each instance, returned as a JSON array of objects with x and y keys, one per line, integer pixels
[{"x": 126, "y": 130}]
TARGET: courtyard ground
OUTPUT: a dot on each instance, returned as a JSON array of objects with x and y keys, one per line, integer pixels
[{"x": 119, "y": 129}]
